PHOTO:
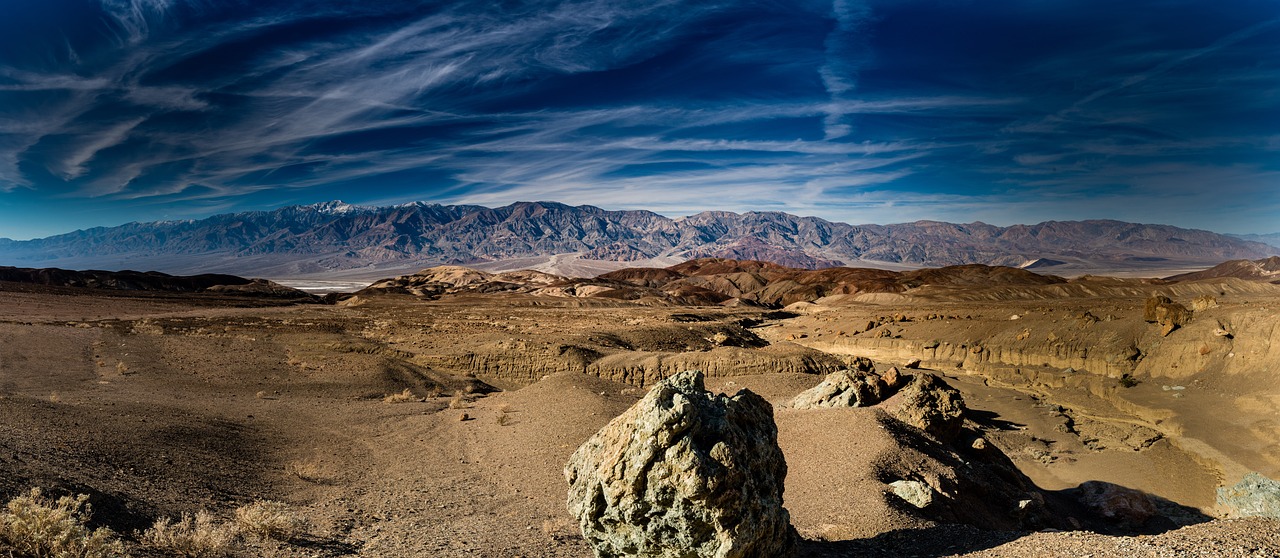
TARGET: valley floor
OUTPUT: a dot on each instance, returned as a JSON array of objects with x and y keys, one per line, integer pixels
[{"x": 382, "y": 424}]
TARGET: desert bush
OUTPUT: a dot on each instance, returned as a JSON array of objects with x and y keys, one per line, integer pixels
[
  {"x": 1127, "y": 380},
  {"x": 459, "y": 402},
  {"x": 312, "y": 471},
  {"x": 39, "y": 527},
  {"x": 402, "y": 397},
  {"x": 198, "y": 536},
  {"x": 269, "y": 519}
]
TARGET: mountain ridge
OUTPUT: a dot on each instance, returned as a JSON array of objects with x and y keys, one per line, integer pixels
[{"x": 335, "y": 236}]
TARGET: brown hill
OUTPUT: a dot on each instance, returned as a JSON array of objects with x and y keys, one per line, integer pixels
[
  {"x": 1255, "y": 270},
  {"x": 149, "y": 281},
  {"x": 709, "y": 281}
]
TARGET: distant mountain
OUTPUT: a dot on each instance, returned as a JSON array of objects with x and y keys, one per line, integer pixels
[
  {"x": 333, "y": 237},
  {"x": 1272, "y": 239}
]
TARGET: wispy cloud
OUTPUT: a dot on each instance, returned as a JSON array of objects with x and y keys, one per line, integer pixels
[
  {"x": 74, "y": 164},
  {"x": 846, "y": 48},
  {"x": 1078, "y": 111},
  {"x": 837, "y": 109}
]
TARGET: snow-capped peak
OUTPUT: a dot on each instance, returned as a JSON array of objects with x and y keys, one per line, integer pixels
[{"x": 335, "y": 207}]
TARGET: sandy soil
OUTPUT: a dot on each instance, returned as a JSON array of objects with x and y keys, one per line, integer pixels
[{"x": 160, "y": 405}]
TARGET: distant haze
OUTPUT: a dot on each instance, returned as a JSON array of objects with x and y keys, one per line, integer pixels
[{"x": 857, "y": 111}]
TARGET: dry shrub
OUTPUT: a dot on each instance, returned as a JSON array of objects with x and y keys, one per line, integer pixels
[
  {"x": 39, "y": 527},
  {"x": 405, "y": 396},
  {"x": 311, "y": 471},
  {"x": 269, "y": 519},
  {"x": 504, "y": 418},
  {"x": 198, "y": 536},
  {"x": 459, "y": 402},
  {"x": 559, "y": 528}
]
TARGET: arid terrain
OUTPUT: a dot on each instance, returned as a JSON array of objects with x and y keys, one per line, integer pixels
[{"x": 432, "y": 415}]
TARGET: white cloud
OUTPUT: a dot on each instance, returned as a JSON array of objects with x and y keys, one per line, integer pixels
[
  {"x": 73, "y": 166},
  {"x": 135, "y": 17}
]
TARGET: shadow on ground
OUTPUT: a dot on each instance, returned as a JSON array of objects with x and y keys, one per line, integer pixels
[{"x": 940, "y": 540}]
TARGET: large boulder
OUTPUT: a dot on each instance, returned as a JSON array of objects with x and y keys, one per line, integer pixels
[
  {"x": 1169, "y": 315},
  {"x": 684, "y": 473},
  {"x": 931, "y": 405},
  {"x": 1253, "y": 496},
  {"x": 843, "y": 388},
  {"x": 1115, "y": 503}
]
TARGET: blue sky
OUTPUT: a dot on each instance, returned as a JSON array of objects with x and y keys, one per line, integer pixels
[{"x": 859, "y": 111}]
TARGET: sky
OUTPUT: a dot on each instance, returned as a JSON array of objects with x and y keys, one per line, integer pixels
[{"x": 861, "y": 111}]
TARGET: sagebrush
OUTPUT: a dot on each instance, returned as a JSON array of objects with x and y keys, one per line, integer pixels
[
  {"x": 269, "y": 519},
  {"x": 40, "y": 527},
  {"x": 193, "y": 536}
]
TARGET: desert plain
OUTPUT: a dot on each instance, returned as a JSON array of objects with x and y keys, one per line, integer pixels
[{"x": 433, "y": 415}]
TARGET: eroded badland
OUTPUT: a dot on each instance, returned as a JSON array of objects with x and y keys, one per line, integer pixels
[{"x": 434, "y": 416}]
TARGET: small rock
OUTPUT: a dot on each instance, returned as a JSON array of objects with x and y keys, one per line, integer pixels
[
  {"x": 1222, "y": 331},
  {"x": 893, "y": 380},
  {"x": 912, "y": 364},
  {"x": 863, "y": 364},
  {"x": 916, "y": 493}
]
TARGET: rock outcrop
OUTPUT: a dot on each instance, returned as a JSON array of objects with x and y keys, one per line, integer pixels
[
  {"x": 928, "y": 403},
  {"x": 1253, "y": 496},
  {"x": 849, "y": 388},
  {"x": 684, "y": 473},
  {"x": 1116, "y": 503},
  {"x": 1169, "y": 315}
]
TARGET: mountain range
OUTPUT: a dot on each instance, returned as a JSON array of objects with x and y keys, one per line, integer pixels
[{"x": 343, "y": 240}]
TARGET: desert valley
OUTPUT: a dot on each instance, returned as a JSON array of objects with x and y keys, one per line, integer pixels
[
  {"x": 636, "y": 279},
  {"x": 963, "y": 410}
]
